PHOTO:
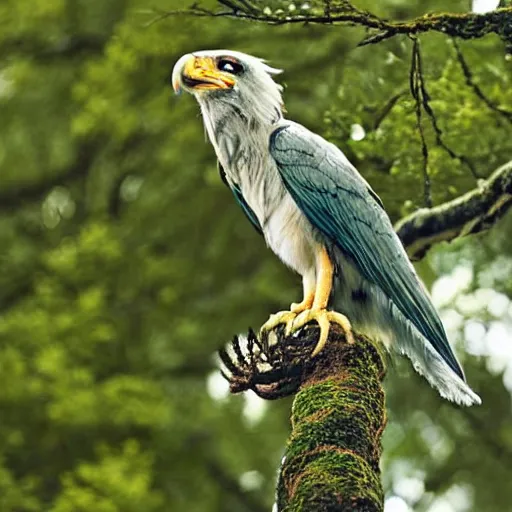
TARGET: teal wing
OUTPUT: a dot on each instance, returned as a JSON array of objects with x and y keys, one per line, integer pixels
[
  {"x": 340, "y": 203},
  {"x": 237, "y": 193}
]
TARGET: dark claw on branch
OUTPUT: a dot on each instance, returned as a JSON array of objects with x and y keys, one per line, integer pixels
[{"x": 270, "y": 370}]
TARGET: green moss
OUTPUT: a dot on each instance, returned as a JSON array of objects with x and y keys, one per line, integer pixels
[
  {"x": 335, "y": 481},
  {"x": 338, "y": 415}
]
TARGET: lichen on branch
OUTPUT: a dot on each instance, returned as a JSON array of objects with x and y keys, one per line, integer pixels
[
  {"x": 467, "y": 25},
  {"x": 473, "y": 212}
]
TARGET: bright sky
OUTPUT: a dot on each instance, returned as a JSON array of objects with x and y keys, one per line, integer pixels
[
  {"x": 480, "y": 320},
  {"x": 481, "y": 6}
]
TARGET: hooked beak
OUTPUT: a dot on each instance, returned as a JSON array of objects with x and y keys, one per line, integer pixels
[{"x": 199, "y": 74}]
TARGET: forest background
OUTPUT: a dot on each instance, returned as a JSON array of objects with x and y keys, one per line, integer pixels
[{"x": 125, "y": 263}]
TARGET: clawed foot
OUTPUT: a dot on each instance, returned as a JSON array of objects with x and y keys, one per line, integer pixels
[
  {"x": 323, "y": 318},
  {"x": 294, "y": 320},
  {"x": 285, "y": 318}
]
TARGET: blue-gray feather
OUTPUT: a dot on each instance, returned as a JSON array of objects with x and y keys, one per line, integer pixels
[
  {"x": 340, "y": 203},
  {"x": 237, "y": 193}
]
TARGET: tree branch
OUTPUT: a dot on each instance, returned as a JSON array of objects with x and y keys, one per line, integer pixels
[
  {"x": 422, "y": 98},
  {"x": 385, "y": 110},
  {"x": 464, "y": 25},
  {"x": 468, "y": 75},
  {"x": 418, "y": 93},
  {"x": 470, "y": 213},
  {"x": 338, "y": 415}
]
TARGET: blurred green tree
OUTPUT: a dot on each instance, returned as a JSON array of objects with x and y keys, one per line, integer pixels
[{"x": 125, "y": 263}]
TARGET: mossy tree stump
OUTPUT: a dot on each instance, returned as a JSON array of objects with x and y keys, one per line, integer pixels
[{"x": 338, "y": 415}]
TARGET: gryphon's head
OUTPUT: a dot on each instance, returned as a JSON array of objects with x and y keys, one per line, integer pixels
[{"x": 229, "y": 81}]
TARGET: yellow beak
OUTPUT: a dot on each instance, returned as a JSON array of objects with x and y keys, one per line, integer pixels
[{"x": 201, "y": 73}]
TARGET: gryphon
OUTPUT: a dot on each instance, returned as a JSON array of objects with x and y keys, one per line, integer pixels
[{"x": 319, "y": 216}]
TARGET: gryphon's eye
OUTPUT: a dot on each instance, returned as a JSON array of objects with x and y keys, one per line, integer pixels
[{"x": 230, "y": 66}]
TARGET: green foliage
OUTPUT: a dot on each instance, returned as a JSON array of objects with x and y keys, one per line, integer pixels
[
  {"x": 118, "y": 481},
  {"x": 125, "y": 263},
  {"x": 382, "y": 155}
]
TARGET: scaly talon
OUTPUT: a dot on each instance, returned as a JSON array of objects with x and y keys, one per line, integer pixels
[
  {"x": 323, "y": 318},
  {"x": 307, "y": 303},
  {"x": 297, "y": 307},
  {"x": 281, "y": 317}
]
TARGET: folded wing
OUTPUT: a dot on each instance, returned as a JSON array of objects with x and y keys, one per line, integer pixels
[{"x": 340, "y": 203}]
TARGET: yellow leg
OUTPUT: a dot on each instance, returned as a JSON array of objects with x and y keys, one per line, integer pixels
[
  {"x": 325, "y": 271},
  {"x": 308, "y": 285},
  {"x": 287, "y": 317},
  {"x": 324, "y": 281}
]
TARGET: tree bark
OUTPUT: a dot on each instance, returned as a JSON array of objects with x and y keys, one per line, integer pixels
[
  {"x": 466, "y": 25},
  {"x": 338, "y": 416},
  {"x": 473, "y": 212}
]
